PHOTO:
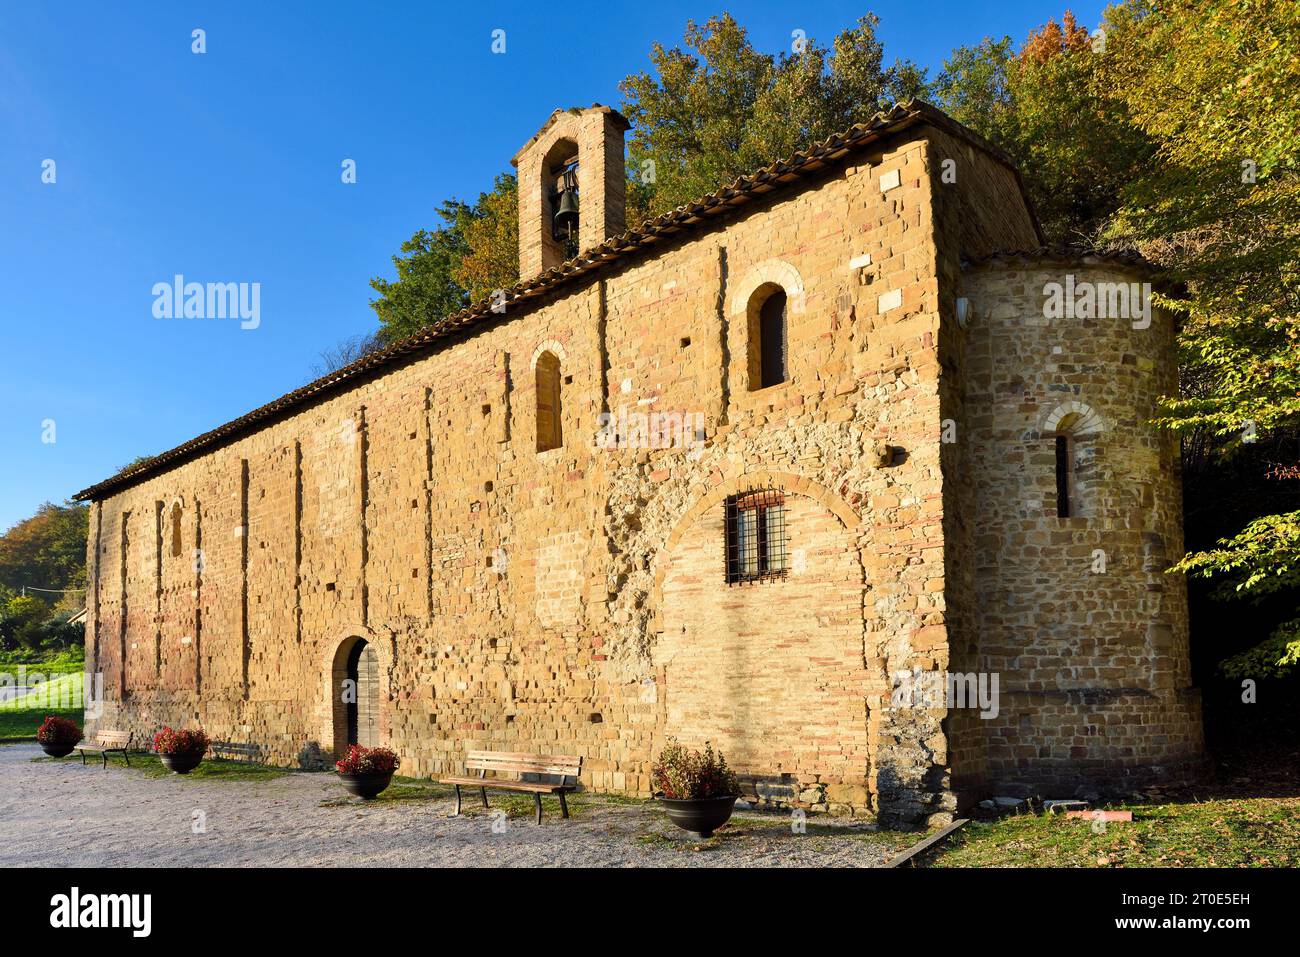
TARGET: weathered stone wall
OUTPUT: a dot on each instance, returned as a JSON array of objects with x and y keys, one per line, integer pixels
[
  {"x": 1077, "y": 615},
  {"x": 536, "y": 601},
  {"x": 979, "y": 210}
]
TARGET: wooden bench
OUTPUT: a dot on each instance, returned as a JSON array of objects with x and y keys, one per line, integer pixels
[
  {"x": 563, "y": 766},
  {"x": 106, "y": 742},
  {"x": 236, "y": 751}
]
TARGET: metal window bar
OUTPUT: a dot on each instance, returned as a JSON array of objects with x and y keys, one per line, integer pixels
[{"x": 757, "y": 539}]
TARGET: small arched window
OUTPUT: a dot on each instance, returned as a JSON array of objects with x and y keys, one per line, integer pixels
[
  {"x": 549, "y": 430},
  {"x": 767, "y": 338},
  {"x": 1064, "y": 474},
  {"x": 176, "y": 529},
  {"x": 1072, "y": 428}
]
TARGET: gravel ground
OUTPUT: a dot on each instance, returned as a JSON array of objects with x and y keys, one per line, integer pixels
[{"x": 58, "y": 813}]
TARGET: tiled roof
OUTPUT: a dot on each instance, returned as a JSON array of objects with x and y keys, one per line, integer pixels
[
  {"x": 616, "y": 250},
  {"x": 1067, "y": 253}
]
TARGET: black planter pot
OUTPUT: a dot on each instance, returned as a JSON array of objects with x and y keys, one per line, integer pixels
[
  {"x": 366, "y": 786},
  {"x": 701, "y": 816},
  {"x": 57, "y": 749},
  {"x": 181, "y": 763}
]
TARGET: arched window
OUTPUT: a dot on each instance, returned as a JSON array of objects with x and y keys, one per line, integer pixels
[
  {"x": 1070, "y": 427},
  {"x": 176, "y": 529},
  {"x": 1064, "y": 474},
  {"x": 767, "y": 338},
  {"x": 549, "y": 430}
]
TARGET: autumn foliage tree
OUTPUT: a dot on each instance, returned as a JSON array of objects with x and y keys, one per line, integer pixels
[{"x": 1173, "y": 130}]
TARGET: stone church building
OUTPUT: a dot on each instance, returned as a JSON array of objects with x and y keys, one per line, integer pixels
[{"x": 749, "y": 473}]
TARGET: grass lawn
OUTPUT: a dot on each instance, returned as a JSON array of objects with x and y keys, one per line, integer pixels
[
  {"x": 20, "y": 718},
  {"x": 43, "y": 667},
  {"x": 211, "y": 769},
  {"x": 19, "y": 724},
  {"x": 1230, "y": 832}
]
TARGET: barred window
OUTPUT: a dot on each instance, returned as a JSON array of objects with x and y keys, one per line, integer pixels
[{"x": 756, "y": 536}]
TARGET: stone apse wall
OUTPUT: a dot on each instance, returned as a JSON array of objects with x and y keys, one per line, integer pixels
[{"x": 1077, "y": 614}]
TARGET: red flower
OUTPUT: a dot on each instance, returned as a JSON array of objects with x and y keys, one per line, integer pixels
[
  {"x": 168, "y": 741},
  {"x": 361, "y": 760},
  {"x": 56, "y": 730}
]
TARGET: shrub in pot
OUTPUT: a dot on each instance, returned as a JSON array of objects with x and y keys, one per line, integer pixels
[
  {"x": 696, "y": 788},
  {"x": 365, "y": 772},
  {"x": 58, "y": 736},
  {"x": 181, "y": 751}
]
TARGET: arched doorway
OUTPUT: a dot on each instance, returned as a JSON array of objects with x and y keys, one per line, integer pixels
[
  {"x": 356, "y": 694},
  {"x": 363, "y": 708}
]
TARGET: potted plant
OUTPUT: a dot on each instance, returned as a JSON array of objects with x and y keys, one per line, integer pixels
[
  {"x": 58, "y": 736},
  {"x": 365, "y": 772},
  {"x": 181, "y": 751},
  {"x": 696, "y": 788}
]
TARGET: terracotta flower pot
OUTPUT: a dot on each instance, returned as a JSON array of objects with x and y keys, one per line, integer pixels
[
  {"x": 366, "y": 786},
  {"x": 182, "y": 763},
  {"x": 700, "y": 816},
  {"x": 57, "y": 749}
]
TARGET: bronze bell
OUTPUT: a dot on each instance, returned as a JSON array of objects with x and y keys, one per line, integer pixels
[{"x": 565, "y": 222}]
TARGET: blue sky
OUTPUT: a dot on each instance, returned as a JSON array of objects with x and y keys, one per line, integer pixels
[{"x": 225, "y": 167}]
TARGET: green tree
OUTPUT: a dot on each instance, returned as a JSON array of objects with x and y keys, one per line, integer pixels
[
  {"x": 490, "y": 229},
  {"x": 718, "y": 108},
  {"x": 1047, "y": 105},
  {"x": 21, "y": 621},
  {"x": 425, "y": 289},
  {"x": 1173, "y": 131},
  {"x": 1220, "y": 208},
  {"x": 442, "y": 271}
]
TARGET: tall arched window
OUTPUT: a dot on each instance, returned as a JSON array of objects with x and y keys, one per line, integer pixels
[
  {"x": 176, "y": 529},
  {"x": 767, "y": 338},
  {"x": 549, "y": 430},
  {"x": 1064, "y": 474},
  {"x": 1072, "y": 428}
]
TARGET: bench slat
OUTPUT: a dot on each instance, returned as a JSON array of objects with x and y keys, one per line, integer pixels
[
  {"x": 525, "y": 756},
  {"x": 500, "y": 784},
  {"x": 106, "y": 741},
  {"x": 563, "y": 765},
  {"x": 558, "y": 770}
]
